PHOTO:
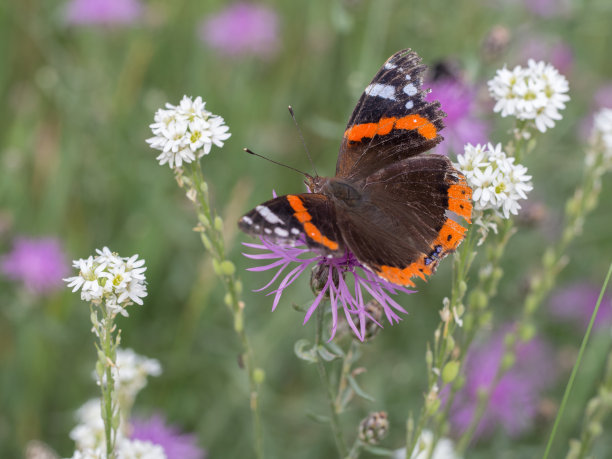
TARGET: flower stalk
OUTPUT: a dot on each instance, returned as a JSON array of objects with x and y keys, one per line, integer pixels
[
  {"x": 210, "y": 228},
  {"x": 329, "y": 390},
  {"x": 554, "y": 259},
  {"x": 110, "y": 283}
]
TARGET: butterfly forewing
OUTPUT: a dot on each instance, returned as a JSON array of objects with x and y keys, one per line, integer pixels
[
  {"x": 308, "y": 217},
  {"x": 391, "y": 121}
]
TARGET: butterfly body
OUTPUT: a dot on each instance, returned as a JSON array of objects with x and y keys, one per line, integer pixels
[{"x": 393, "y": 207}]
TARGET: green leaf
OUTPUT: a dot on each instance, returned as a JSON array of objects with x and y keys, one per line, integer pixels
[
  {"x": 310, "y": 355},
  {"x": 358, "y": 390},
  {"x": 378, "y": 451},
  {"x": 319, "y": 418},
  {"x": 326, "y": 355}
]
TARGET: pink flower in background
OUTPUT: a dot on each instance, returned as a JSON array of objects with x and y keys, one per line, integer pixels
[
  {"x": 103, "y": 12},
  {"x": 176, "y": 445},
  {"x": 39, "y": 264},
  {"x": 548, "y": 8},
  {"x": 574, "y": 304},
  {"x": 601, "y": 99},
  {"x": 514, "y": 401},
  {"x": 540, "y": 48},
  {"x": 462, "y": 126},
  {"x": 242, "y": 29}
]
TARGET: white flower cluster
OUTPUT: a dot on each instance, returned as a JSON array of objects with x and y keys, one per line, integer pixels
[
  {"x": 602, "y": 131},
  {"x": 445, "y": 448},
  {"x": 130, "y": 373},
  {"x": 537, "y": 92},
  {"x": 119, "y": 281},
  {"x": 497, "y": 183},
  {"x": 130, "y": 377},
  {"x": 186, "y": 132},
  {"x": 126, "y": 449}
]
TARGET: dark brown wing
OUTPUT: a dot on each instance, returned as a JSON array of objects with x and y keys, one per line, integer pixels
[
  {"x": 308, "y": 217},
  {"x": 404, "y": 226},
  {"x": 391, "y": 121}
]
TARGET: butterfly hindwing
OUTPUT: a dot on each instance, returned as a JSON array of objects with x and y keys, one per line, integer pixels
[
  {"x": 290, "y": 219},
  {"x": 406, "y": 224},
  {"x": 392, "y": 119}
]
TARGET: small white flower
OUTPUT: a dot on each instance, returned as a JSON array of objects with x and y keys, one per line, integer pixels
[
  {"x": 536, "y": 93},
  {"x": 445, "y": 448},
  {"x": 602, "y": 132},
  {"x": 89, "y": 433},
  {"x": 131, "y": 373},
  {"x": 497, "y": 183},
  {"x": 138, "y": 449},
  {"x": 117, "y": 281},
  {"x": 89, "y": 453},
  {"x": 186, "y": 132}
]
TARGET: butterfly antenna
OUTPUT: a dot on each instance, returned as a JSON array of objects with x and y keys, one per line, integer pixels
[
  {"x": 251, "y": 152},
  {"x": 302, "y": 137}
]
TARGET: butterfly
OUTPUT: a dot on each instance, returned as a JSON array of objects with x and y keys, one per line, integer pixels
[{"x": 394, "y": 207}]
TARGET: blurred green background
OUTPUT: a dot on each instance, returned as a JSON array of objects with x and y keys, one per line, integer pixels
[{"x": 76, "y": 102}]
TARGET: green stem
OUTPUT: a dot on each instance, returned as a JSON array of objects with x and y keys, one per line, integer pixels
[
  {"x": 213, "y": 242},
  {"x": 333, "y": 408},
  {"x": 570, "y": 383},
  {"x": 106, "y": 361}
]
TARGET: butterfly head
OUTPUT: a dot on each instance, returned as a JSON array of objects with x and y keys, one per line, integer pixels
[{"x": 315, "y": 184}]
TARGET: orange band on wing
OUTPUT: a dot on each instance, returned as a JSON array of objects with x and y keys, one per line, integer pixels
[
  {"x": 448, "y": 239},
  {"x": 313, "y": 232},
  {"x": 304, "y": 217},
  {"x": 450, "y": 235},
  {"x": 459, "y": 195},
  {"x": 410, "y": 122}
]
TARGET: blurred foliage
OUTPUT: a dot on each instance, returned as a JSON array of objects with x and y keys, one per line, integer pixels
[{"x": 76, "y": 105}]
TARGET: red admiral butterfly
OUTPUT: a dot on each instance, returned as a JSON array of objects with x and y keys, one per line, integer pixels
[{"x": 389, "y": 204}]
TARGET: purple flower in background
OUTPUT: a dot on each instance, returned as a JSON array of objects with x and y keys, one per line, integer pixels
[
  {"x": 462, "y": 126},
  {"x": 176, "y": 445},
  {"x": 557, "y": 52},
  {"x": 574, "y": 304},
  {"x": 329, "y": 276},
  {"x": 514, "y": 401},
  {"x": 242, "y": 29},
  {"x": 601, "y": 99},
  {"x": 103, "y": 12},
  {"x": 548, "y": 8},
  {"x": 40, "y": 264}
]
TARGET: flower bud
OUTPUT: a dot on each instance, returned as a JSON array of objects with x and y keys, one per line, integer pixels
[
  {"x": 375, "y": 311},
  {"x": 319, "y": 277},
  {"x": 374, "y": 428}
]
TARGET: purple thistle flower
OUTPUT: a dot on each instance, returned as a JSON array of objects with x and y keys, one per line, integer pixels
[
  {"x": 40, "y": 264},
  {"x": 242, "y": 29},
  {"x": 331, "y": 273},
  {"x": 462, "y": 126},
  {"x": 575, "y": 303},
  {"x": 103, "y": 12},
  {"x": 176, "y": 445},
  {"x": 513, "y": 405}
]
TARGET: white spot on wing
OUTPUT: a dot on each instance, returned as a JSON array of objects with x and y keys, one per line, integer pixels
[
  {"x": 281, "y": 232},
  {"x": 268, "y": 215},
  {"x": 268, "y": 230},
  {"x": 410, "y": 89},
  {"x": 409, "y": 105},
  {"x": 247, "y": 220},
  {"x": 390, "y": 66},
  {"x": 386, "y": 91},
  {"x": 295, "y": 231},
  {"x": 408, "y": 77}
]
